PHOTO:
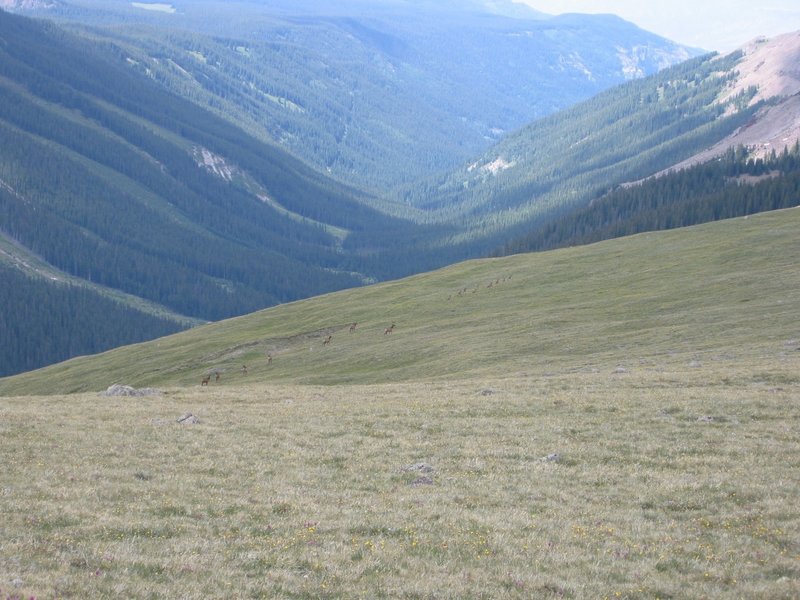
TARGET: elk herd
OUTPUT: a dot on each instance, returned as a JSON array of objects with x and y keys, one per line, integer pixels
[
  {"x": 207, "y": 378},
  {"x": 325, "y": 342},
  {"x": 327, "y": 336},
  {"x": 474, "y": 289}
]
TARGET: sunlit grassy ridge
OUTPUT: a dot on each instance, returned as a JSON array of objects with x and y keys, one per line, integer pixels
[
  {"x": 617, "y": 421},
  {"x": 694, "y": 294}
]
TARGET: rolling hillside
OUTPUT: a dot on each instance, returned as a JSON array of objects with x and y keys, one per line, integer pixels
[
  {"x": 112, "y": 176},
  {"x": 717, "y": 292}
]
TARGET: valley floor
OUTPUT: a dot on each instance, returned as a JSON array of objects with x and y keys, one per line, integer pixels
[{"x": 654, "y": 481}]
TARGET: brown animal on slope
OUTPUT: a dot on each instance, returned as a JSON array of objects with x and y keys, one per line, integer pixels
[
  {"x": 328, "y": 340},
  {"x": 216, "y": 376},
  {"x": 353, "y": 327},
  {"x": 388, "y": 330},
  {"x": 205, "y": 380},
  {"x": 244, "y": 369}
]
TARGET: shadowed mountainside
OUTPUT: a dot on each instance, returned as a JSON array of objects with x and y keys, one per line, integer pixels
[{"x": 375, "y": 93}]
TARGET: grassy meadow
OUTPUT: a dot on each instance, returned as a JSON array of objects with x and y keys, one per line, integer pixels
[{"x": 614, "y": 421}]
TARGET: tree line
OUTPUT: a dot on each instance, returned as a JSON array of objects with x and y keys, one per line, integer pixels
[{"x": 734, "y": 185}]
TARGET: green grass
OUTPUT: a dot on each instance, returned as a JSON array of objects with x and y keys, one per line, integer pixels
[
  {"x": 662, "y": 370},
  {"x": 726, "y": 289}
]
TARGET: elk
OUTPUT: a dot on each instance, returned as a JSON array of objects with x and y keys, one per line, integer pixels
[
  {"x": 353, "y": 327},
  {"x": 269, "y": 358},
  {"x": 244, "y": 369},
  {"x": 216, "y": 376},
  {"x": 205, "y": 380},
  {"x": 328, "y": 340},
  {"x": 388, "y": 330}
]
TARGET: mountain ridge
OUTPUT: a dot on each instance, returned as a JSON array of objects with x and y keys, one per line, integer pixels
[
  {"x": 697, "y": 110},
  {"x": 769, "y": 65},
  {"x": 356, "y": 88}
]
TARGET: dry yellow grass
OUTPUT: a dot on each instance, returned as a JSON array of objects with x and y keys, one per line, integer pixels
[{"x": 670, "y": 482}]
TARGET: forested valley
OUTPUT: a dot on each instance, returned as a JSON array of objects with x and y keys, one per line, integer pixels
[
  {"x": 42, "y": 322},
  {"x": 190, "y": 171},
  {"x": 375, "y": 94},
  {"x": 626, "y": 133},
  {"x": 103, "y": 175}
]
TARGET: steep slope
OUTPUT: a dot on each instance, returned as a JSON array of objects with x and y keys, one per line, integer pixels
[
  {"x": 110, "y": 179},
  {"x": 376, "y": 93},
  {"x": 717, "y": 292},
  {"x": 630, "y": 132},
  {"x": 772, "y": 66},
  {"x": 753, "y": 169},
  {"x": 736, "y": 184},
  {"x": 43, "y": 322},
  {"x": 75, "y": 117},
  {"x": 49, "y": 316}
]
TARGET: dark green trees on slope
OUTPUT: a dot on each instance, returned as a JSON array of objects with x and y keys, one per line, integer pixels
[
  {"x": 42, "y": 322},
  {"x": 559, "y": 163},
  {"x": 109, "y": 178},
  {"x": 375, "y": 93},
  {"x": 732, "y": 186},
  {"x": 101, "y": 176}
]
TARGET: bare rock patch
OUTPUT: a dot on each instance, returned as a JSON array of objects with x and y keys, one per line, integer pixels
[
  {"x": 420, "y": 467},
  {"x": 126, "y": 390},
  {"x": 188, "y": 419}
]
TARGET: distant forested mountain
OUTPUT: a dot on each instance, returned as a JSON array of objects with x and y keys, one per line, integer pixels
[
  {"x": 110, "y": 178},
  {"x": 374, "y": 93},
  {"x": 561, "y": 162}
]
